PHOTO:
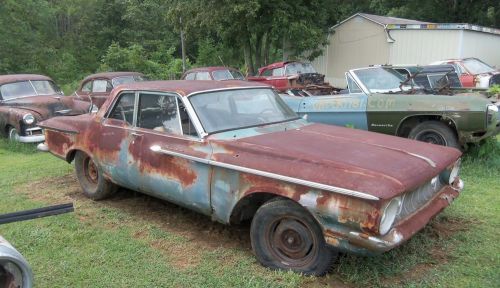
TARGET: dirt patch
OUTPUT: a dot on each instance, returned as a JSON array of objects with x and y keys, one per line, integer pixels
[{"x": 198, "y": 232}]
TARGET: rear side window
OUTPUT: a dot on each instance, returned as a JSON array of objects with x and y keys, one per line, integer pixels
[
  {"x": 278, "y": 72},
  {"x": 190, "y": 76},
  {"x": 159, "y": 112},
  {"x": 203, "y": 76},
  {"x": 87, "y": 86},
  {"x": 101, "y": 86}
]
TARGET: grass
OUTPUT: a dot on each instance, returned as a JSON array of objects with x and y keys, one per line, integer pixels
[{"x": 132, "y": 240}]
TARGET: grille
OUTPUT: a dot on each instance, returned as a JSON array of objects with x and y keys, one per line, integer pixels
[{"x": 417, "y": 198}]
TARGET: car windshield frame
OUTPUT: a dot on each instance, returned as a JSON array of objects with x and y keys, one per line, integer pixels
[
  {"x": 293, "y": 69},
  {"x": 361, "y": 79},
  {"x": 238, "y": 109},
  {"x": 32, "y": 89},
  {"x": 476, "y": 66}
]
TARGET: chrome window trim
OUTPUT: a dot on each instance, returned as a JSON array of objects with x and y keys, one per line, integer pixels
[
  {"x": 316, "y": 185},
  {"x": 358, "y": 81}
]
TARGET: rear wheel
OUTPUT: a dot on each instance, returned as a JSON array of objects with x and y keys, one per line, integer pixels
[
  {"x": 435, "y": 132},
  {"x": 285, "y": 236},
  {"x": 93, "y": 184}
]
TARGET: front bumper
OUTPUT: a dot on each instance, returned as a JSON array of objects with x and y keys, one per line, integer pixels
[
  {"x": 362, "y": 243},
  {"x": 32, "y": 139}
]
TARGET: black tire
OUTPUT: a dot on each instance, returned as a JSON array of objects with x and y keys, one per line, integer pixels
[
  {"x": 13, "y": 135},
  {"x": 285, "y": 236},
  {"x": 435, "y": 132},
  {"x": 93, "y": 184}
]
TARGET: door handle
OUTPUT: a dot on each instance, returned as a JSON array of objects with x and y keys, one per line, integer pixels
[{"x": 135, "y": 134}]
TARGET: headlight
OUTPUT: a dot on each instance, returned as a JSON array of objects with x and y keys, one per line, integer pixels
[
  {"x": 491, "y": 110},
  {"x": 389, "y": 214},
  {"x": 448, "y": 176},
  {"x": 29, "y": 119}
]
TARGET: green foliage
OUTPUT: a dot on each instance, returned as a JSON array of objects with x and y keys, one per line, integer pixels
[
  {"x": 488, "y": 152},
  {"x": 495, "y": 89},
  {"x": 156, "y": 64}
]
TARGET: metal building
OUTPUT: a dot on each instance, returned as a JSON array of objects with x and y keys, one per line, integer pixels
[{"x": 365, "y": 39}]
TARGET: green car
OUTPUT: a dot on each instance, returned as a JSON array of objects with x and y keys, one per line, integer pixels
[{"x": 376, "y": 100}]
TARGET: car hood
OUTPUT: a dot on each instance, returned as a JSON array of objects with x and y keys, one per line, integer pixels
[
  {"x": 49, "y": 106},
  {"x": 379, "y": 165}
]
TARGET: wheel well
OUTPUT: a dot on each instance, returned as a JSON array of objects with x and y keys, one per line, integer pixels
[
  {"x": 246, "y": 207},
  {"x": 71, "y": 156},
  {"x": 409, "y": 123}
]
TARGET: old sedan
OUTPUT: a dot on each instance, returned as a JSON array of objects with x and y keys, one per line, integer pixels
[
  {"x": 234, "y": 151},
  {"x": 27, "y": 99},
  {"x": 96, "y": 88},
  {"x": 217, "y": 73}
]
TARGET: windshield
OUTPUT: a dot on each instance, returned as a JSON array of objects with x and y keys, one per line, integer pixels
[
  {"x": 236, "y": 109},
  {"x": 476, "y": 66},
  {"x": 127, "y": 79},
  {"x": 227, "y": 75},
  {"x": 380, "y": 80},
  {"x": 298, "y": 68},
  {"x": 28, "y": 88}
]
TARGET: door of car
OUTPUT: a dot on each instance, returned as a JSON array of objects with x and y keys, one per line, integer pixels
[
  {"x": 172, "y": 156},
  {"x": 119, "y": 142}
]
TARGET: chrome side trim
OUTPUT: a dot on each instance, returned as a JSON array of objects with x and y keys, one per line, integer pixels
[{"x": 158, "y": 149}]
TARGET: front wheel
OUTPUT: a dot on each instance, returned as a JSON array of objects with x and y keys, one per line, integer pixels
[
  {"x": 285, "y": 236},
  {"x": 93, "y": 183},
  {"x": 435, "y": 132},
  {"x": 13, "y": 135}
]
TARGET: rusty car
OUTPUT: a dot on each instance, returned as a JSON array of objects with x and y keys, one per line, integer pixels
[
  {"x": 473, "y": 72},
  {"x": 380, "y": 99},
  {"x": 27, "y": 99},
  {"x": 235, "y": 151},
  {"x": 297, "y": 78},
  {"x": 95, "y": 88},
  {"x": 217, "y": 73}
]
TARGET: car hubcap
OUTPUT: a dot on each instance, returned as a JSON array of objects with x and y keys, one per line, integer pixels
[
  {"x": 13, "y": 135},
  {"x": 91, "y": 171},
  {"x": 291, "y": 241},
  {"x": 431, "y": 137}
]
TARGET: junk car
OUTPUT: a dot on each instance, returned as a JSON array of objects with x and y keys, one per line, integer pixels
[
  {"x": 380, "y": 99},
  {"x": 96, "y": 88},
  {"x": 473, "y": 72},
  {"x": 234, "y": 151},
  {"x": 218, "y": 73},
  {"x": 27, "y": 99},
  {"x": 297, "y": 78}
]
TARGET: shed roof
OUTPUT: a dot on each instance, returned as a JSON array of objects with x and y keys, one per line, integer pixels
[{"x": 382, "y": 20}]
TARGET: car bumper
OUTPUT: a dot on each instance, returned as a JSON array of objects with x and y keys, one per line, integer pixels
[
  {"x": 32, "y": 139},
  {"x": 362, "y": 243}
]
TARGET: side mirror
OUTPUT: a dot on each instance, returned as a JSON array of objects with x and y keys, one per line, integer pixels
[{"x": 14, "y": 269}]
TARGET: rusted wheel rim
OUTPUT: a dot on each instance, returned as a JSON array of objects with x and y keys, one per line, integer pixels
[
  {"x": 291, "y": 241},
  {"x": 431, "y": 137},
  {"x": 91, "y": 172}
]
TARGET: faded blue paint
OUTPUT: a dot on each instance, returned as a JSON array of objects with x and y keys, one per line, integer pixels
[{"x": 347, "y": 110}]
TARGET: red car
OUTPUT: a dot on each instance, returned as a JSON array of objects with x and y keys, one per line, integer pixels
[
  {"x": 218, "y": 73},
  {"x": 295, "y": 78},
  {"x": 473, "y": 72},
  {"x": 234, "y": 151},
  {"x": 96, "y": 87}
]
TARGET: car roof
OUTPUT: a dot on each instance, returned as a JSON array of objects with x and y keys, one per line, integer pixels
[
  {"x": 22, "y": 77},
  {"x": 427, "y": 68},
  {"x": 209, "y": 69},
  {"x": 187, "y": 87},
  {"x": 111, "y": 75}
]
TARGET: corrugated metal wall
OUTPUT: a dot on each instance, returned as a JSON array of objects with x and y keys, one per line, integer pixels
[
  {"x": 483, "y": 46},
  {"x": 423, "y": 46},
  {"x": 356, "y": 43}
]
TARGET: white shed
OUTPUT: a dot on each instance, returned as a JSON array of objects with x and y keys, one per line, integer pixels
[{"x": 365, "y": 39}]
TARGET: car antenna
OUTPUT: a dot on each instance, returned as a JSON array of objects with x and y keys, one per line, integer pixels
[{"x": 218, "y": 56}]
